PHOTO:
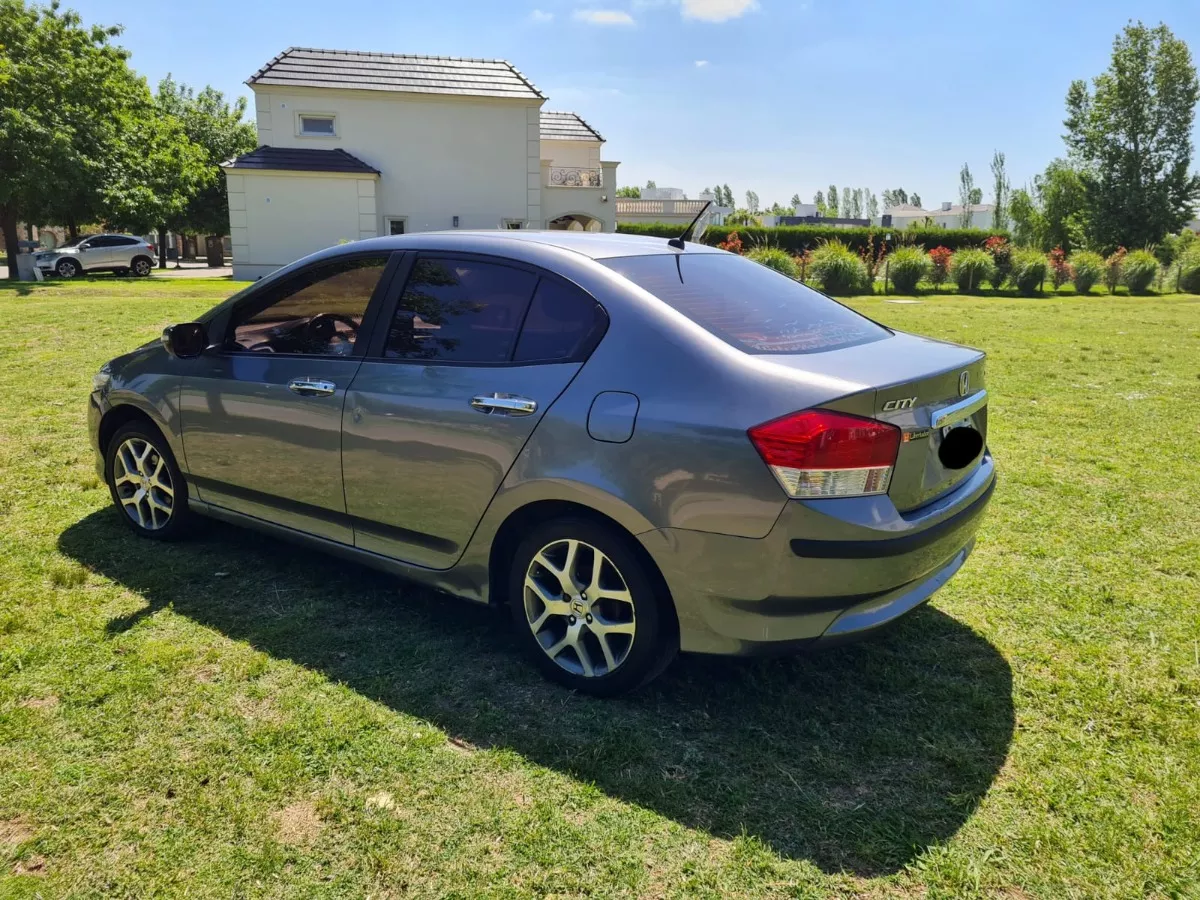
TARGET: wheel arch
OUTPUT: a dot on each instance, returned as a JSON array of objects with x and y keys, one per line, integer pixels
[
  {"x": 508, "y": 535},
  {"x": 123, "y": 414}
]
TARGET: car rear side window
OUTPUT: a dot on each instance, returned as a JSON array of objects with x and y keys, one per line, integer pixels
[
  {"x": 460, "y": 310},
  {"x": 748, "y": 305},
  {"x": 562, "y": 321}
]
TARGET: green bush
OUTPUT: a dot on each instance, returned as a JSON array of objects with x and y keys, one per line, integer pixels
[
  {"x": 1089, "y": 268},
  {"x": 970, "y": 268},
  {"x": 1189, "y": 271},
  {"x": 1174, "y": 247},
  {"x": 774, "y": 258},
  {"x": 838, "y": 269},
  {"x": 1029, "y": 269},
  {"x": 1139, "y": 271},
  {"x": 795, "y": 239},
  {"x": 908, "y": 266}
]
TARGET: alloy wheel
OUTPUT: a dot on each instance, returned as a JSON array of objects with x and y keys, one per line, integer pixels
[
  {"x": 143, "y": 484},
  {"x": 141, "y": 267},
  {"x": 66, "y": 269},
  {"x": 579, "y": 608}
]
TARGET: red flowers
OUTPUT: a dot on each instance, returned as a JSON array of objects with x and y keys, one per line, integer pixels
[
  {"x": 1061, "y": 268},
  {"x": 940, "y": 257},
  {"x": 733, "y": 243}
]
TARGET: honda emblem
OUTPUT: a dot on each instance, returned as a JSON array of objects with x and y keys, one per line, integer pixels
[{"x": 964, "y": 384}]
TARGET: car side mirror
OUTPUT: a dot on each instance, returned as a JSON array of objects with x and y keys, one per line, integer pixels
[{"x": 185, "y": 341}]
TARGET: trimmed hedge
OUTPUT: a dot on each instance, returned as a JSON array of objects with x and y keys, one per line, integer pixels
[{"x": 795, "y": 239}]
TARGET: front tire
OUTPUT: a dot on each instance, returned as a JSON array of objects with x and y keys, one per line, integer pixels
[
  {"x": 145, "y": 483},
  {"x": 67, "y": 268},
  {"x": 587, "y": 610}
]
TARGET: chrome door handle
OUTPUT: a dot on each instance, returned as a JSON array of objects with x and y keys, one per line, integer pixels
[
  {"x": 506, "y": 404},
  {"x": 311, "y": 387}
]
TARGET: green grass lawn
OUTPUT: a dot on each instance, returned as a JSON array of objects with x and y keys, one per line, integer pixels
[{"x": 234, "y": 717}]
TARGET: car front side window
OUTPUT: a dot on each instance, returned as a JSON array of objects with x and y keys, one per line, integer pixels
[{"x": 319, "y": 313}]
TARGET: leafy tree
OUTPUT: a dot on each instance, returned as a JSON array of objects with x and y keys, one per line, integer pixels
[
  {"x": 634, "y": 192},
  {"x": 966, "y": 195},
  {"x": 819, "y": 202},
  {"x": 728, "y": 197},
  {"x": 872, "y": 205},
  {"x": 1130, "y": 134},
  {"x": 650, "y": 185},
  {"x": 752, "y": 202},
  {"x": 1062, "y": 197},
  {"x": 796, "y": 201},
  {"x": 915, "y": 199},
  {"x": 832, "y": 200},
  {"x": 64, "y": 89},
  {"x": 220, "y": 130},
  {"x": 976, "y": 196},
  {"x": 896, "y": 197},
  {"x": 1027, "y": 221},
  {"x": 1000, "y": 192}
]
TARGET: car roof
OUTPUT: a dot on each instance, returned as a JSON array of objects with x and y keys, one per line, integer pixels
[{"x": 595, "y": 245}]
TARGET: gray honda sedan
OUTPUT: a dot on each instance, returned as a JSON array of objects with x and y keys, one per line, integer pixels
[{"x": 638, "y": 447}]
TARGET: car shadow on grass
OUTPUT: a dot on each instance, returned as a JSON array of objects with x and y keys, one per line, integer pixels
[{"x": 856, "y": 758}]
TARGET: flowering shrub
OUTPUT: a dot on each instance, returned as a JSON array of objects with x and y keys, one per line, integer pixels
[
  {"x": 733, "y": 243},
  {"x": 872, "y": 258},
  {"x": 940, "y": 258},
  {"x": 1088, "y": 267},
  {"x": 1001, "y": 252},
  {"x": 1112, "y": 268},
  {"x": 1059, "y": 266}
]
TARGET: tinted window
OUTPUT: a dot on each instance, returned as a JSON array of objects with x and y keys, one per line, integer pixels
[
  {"x": 560, "y": 321},
  {"x": 98, "y": 242},
  {"x": 748, "y": 305},
  {"x": 319, "y": 312},
  {"x": 459, "y": 310},
  {"x": 123, "y": 241}
]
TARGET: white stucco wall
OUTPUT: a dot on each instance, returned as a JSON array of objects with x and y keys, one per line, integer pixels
[
  {"x": 276, "y": 218},
  {"x": 440, "y": 156},
  {"x": 581, "y": 154}
]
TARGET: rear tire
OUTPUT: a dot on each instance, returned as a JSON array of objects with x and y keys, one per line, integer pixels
[
  {"x": 142, "y": 266},
  {"x": 146, "y": 485},
  {"x": 586, "y": 609}
]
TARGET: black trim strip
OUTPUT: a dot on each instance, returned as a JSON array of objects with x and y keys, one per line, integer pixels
[
  {"x": 321, "y": 514},
  {"x": 897, "y": 546}
]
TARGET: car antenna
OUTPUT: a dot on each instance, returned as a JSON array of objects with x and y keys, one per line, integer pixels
[{"x": 677, "y": 242}]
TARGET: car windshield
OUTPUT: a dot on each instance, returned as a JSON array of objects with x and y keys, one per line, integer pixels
[
  {"x": 746, "y": 304},
  {"x": 74, "y": 242}
]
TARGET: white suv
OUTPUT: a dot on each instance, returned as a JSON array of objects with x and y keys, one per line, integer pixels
[{"x": 97, "y": 253}]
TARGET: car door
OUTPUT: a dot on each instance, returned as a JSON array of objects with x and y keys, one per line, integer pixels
[
  {"x": 261, "y": 414},
  {"x": 474, "y": 353},
  {"x": 120, "y": 253},
  {"x": 96, "y": 252}
]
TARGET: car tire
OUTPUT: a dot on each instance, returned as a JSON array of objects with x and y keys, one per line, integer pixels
[
  {"x": 147, "y": 488},
  {"x": 67, "y": 268},
  {"x": 141, "y": 266},
  {"x": 614, "y": 641}
]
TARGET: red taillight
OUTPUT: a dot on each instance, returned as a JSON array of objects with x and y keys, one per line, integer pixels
[{"x": 820, "y": 453}]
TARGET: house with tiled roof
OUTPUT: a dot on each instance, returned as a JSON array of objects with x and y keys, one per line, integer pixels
[
  {"x": 354, "y": 145},
  {"x": 948, "y": 215}
]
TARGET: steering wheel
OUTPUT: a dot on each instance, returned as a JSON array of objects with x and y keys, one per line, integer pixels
[{"x": 322, "y": 328}]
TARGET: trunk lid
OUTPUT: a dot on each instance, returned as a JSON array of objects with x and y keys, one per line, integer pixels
[{"x": 908, "y": 381}]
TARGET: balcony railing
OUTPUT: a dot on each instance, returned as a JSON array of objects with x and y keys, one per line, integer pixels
[
  {"x": 573, "y": 176},
  {"x": 631, "y": 207}
]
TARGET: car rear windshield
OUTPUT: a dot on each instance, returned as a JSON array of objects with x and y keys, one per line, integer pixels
[{"x": 746, "y": 304}]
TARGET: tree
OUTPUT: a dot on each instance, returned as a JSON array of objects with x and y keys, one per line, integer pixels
[
  {"x": 832, "y": 200},
  {"x": 650, "y": 185},
  {"x": 966, "y": 195},
  {"x": 752, "y": 202},
  {"x": 1028, "y": 224},
  {"x": 1000, "y": 191},
  {"x": 64, "y": 89},
  {"x": 796, "y": 201},
  {"x": 1130, "y": 136},
  {"x": 895, "y": 197},
  {"x": 915, "y": 199},
  {"x": 819, "y": 202},
  {"x": 728, "y": 197},
  {"x": 872, "y": 205},
  {"x": 634, "y": 192},
  {"x": 1061, "y": 195},
  {"x": 220, "y": 130}
]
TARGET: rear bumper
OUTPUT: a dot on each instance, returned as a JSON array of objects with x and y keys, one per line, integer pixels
[{"x": 828, "y": 570}]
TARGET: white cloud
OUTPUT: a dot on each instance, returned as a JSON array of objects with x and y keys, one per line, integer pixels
[
  {"x": 717, "y": 10},
  {"x": 541, "y": 16},
  {"x": 701, "y": 63},
  {"x": 604, "y": 16}
]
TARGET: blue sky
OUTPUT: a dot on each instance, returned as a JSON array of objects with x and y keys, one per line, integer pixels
[{"x": 781, "y": 96}]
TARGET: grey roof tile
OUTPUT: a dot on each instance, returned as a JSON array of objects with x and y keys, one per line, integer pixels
[
  {"x": 355, "y": 70},
  {"x": 567, "y": 126},
  {"x": 300, "y": 160}
]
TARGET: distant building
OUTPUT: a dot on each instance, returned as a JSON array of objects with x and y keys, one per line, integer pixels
[{"x": 948, "y": 216}]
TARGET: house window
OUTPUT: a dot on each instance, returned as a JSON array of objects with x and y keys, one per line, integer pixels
[
  {"x": 513, "y": 224},
  {"x": 394, "y": 224},
  {"x": 317, "y": 125}
]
